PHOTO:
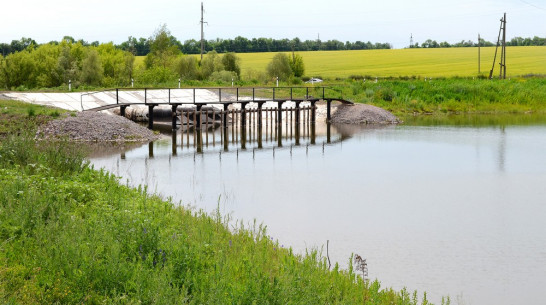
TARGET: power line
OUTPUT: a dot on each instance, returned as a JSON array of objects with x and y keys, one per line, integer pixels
[{"x": 530, "y": 4}]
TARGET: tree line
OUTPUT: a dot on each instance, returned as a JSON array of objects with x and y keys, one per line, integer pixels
[
  {"x": 516, "y": 41},
  {"x": 142, "y": 46},
  {"x": 55, "y": 64}
]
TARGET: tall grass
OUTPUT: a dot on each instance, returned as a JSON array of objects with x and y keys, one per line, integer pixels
[
  {"x": 71, "y": 234},
  {"x": 452, "y": 95}
]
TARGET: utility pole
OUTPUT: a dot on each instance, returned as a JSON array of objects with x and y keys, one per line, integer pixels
[
  {"x": 502, "y": 63},
  {"x": 479, "y": 54},
  {"x": 202, "y": 32},
  {"x": 503, "y": 50}
]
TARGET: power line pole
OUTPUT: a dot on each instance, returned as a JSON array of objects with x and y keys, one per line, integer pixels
[
  {"x": 202, "y": 32},
  {"x": 503, "y": 50},
  {"x": 502, "y": 63},
  {"x": 479, "y": 54}
]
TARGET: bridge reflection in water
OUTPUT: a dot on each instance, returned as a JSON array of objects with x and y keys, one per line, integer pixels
[{"x": 250, "y": 138}]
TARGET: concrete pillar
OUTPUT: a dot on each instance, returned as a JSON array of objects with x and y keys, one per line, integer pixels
[
  {"x": 328, "y": 110},
  {"x": 151, "y": 116},
  {"x": 173, "y": 109}
]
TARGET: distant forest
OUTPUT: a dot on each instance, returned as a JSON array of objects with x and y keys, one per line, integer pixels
[{"x": 141, "y": 46}]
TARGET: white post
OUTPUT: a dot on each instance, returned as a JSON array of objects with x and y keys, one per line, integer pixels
[
  {"x": 69, "y": 85},
  {"x": 132, "y": 82},
  {"x": 232, "y": 82},
  {"x": 277, "y": 81},
  {"x": 179, "y": 83}
]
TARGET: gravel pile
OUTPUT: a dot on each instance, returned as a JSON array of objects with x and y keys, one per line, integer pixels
[
  {"x": 96, "y": 127},
  {"x": 362, "y": 114}
]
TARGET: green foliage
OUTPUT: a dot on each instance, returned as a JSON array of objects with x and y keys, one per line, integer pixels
[
  {"x": 163, "y": 48},
  {"x": 223, "y": 76},
  {"x": 53, "y": 65},
  {"x": 156, "y": 75},
  {"x": 18, "y": 69},
  {"x": 187, "y": 68},
  {"x": 231, "y": 62},
  {"x": 117, "y": 65},
  {"x": 92, "y": 70},
  {"x": 454, "y": 95},
  {"x": 279, "y": 67},
  {"x": 297, "y": 65},
  {"x": 211, "y": 63}
]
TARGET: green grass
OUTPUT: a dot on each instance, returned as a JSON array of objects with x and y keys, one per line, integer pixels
[
  {"x": 16, "y": 116},
  {"x": 448, "y": 96},
  {"x": 70, "y": 234}
]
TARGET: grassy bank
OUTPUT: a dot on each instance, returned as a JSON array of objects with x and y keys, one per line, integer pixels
[
  {"x": 448, "y": 95},
  {"x": 72, "y": 234}
]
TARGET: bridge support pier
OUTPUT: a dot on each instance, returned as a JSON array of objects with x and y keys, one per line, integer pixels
[
  {"x": 313, "y": 112},
  {"x": 328, "y": 110},
  {"x": 197, "y": 115},
  {"x": 122, "y": 110},
  {"x": 297, "y": 114},
  {"x": 225, "y": 116},
  {"x": 243, "y": 114},
  {"x": 279, "y": 110},
  {"x": 260, "y": 104},
  {"x": 151, "y": 115},
  {"x": 173, "y": 109}
]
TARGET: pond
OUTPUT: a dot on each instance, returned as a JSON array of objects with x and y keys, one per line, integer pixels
[{"x": 452, "y": 206}]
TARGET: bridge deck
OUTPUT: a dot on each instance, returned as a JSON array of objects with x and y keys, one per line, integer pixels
[{"x": 125, "y": 97}]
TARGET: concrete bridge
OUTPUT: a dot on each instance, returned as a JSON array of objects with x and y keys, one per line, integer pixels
[{"x": 191, "y": 101}]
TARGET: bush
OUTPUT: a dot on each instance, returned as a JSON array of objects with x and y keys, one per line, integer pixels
[
  {"x": 92, "y": 71},
  {"x": 155, "y": 76},
  {"x": 231, "y": 62},
  {"x": 279, "y": 67},
  {"x": 187, "y": 68},
  {"x": 223, "y": 76},
  {"x": 297, "y": 65}
]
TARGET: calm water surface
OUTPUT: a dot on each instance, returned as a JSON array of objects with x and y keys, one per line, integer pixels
[{"x": 453, "y": 207}]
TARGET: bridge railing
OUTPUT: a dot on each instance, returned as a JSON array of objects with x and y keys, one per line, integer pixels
[{"x": 213, "y": 95}]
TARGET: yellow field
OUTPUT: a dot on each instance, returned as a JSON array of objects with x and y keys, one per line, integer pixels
[{"x": 407, "y": 62}]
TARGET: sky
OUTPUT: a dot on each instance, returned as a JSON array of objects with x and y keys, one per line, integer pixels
[{"x": 391, "y": 21}]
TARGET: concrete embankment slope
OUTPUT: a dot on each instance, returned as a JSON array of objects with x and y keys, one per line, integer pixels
[{"x": 78, "y": 101}]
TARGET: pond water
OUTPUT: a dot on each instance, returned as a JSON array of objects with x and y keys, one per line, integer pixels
[{"x": 452, "y": 207}]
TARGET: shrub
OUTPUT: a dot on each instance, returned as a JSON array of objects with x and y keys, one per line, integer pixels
[
  {"x": 223, "y": 76},
  {"x": 231, "y": 62},
  {"x": 279, "y": 67}
]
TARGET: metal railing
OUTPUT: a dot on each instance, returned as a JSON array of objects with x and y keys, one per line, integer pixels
[{"x": 172, "y": 96}]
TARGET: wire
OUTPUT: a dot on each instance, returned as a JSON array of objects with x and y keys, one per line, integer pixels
[{"x": 540, "y": 8}]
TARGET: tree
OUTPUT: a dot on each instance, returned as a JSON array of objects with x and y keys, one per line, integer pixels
[
  {"x": 92, "y": 70},
  {"x": 230, "y": 61},
  {"x": 279, "y": 67},
  {"x": 296, "y": 64},
  {"x": 164, "y": 48},
  {"x": 211, "y": 63},
  {"x": 186, "y": 67}
]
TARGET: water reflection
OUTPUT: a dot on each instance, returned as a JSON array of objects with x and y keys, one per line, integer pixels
[{"x": 203, "y": 141}]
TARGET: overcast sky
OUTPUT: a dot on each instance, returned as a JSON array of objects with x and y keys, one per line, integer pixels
[{"x": 391, "y": 21}]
